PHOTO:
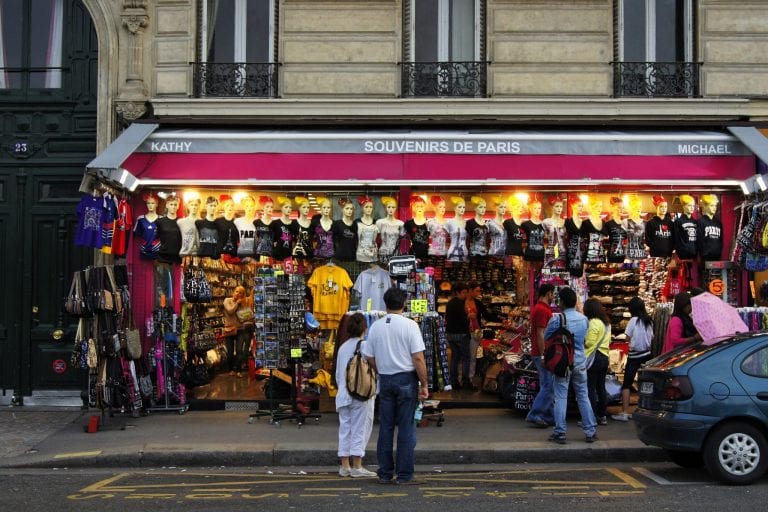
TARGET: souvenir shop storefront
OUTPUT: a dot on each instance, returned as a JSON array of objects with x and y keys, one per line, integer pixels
[{"x": 300, "y": 227}]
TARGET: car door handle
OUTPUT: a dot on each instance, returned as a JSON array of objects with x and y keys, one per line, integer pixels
[{"x": 763, "y": 395}]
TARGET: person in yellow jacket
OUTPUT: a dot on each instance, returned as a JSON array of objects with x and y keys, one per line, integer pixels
[{"x": 596, "y": 346}]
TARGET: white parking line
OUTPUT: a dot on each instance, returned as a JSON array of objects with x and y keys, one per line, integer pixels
[{"x": 661, "y": 480}]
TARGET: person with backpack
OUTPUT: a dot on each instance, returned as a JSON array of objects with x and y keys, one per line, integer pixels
[
  {"x": 355, "y": 416},
  {"x": 576, "y": 325},
  {"x": 541, "y": 414},
  {"x": 395, "y": 347},
  {"x": 596, "y": 347},
  {"x": 639, "y": 332}
]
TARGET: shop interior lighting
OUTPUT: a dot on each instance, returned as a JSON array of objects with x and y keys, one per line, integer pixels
[
  {"x": 744, "y": 188},
  {"x": 760, "y": 182},
  {"x": 238, "y": 196},
  {"x": 189, "y": 195}
]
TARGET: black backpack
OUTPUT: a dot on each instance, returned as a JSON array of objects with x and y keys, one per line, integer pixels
[{"x": 558, "y": 350}]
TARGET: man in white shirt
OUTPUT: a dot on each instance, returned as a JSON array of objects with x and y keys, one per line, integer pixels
[{"x": 396, "y": 348}]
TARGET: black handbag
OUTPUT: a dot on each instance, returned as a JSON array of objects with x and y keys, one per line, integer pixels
[
  {"x": 76, "y": 303},
  {"x": 195, "y": 373}
]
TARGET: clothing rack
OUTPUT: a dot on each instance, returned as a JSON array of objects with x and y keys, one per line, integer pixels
[{"x": 166, "y": 341}]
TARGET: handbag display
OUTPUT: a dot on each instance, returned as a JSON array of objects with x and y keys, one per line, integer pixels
[
  {"x": 75, "y": 303},
  {"x": 132, "y": 341}
]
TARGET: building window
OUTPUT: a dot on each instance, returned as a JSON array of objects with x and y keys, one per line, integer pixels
[
  {"x": 237, "y": 48},
  {"x": 654, "y": 51},
  {"x": 443, "y": 49},
  {"x": 31, "y": 42}
]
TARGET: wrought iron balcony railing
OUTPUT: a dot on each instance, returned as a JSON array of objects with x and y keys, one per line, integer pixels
[
  {"x": 440, "y": 79},
  {"x": 235, "y": 79},
  {"x": 656, "y": 79}
]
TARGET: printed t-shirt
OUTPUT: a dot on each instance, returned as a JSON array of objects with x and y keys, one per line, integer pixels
[
  {"x": 88, "y": 232},
  {"x": 330, "y": 287}
]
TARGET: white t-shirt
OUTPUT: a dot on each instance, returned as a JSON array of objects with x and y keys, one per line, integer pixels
[
  {"x": 391, "y": 341},
  {"x": 372, "y": 284},
  {"x": 640, "y": 338},
  {"x": 346, "y": 350}
]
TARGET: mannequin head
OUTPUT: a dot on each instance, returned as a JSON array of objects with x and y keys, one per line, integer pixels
[
  {"x": 303, "y": 206},
  {"x": 635, "y": 206},
  {"x": 249, "y": 206},
  {"x": 617, "y": 208},
  {"x": 211, "y": 204},
  {"x": 193, "y": 207},
  {"x": 228, "y": 205},
  {"x": 534, "y": 207},
  {"x": 286, "y": 206},
  {"x": 418, "y": 205},
  {"x": 500, "y": 205},
  {"x": 577, "y": 206},
  {"x": 480, "y": 205},
  {"x": 556, "y": 202},
  {"x": 366, "y": 205},
  {"x": 689, "y": 204},
  {"x": 390, "y": 205},
  {"x": 150, "y": 199},
  {"x": 171, "y": 206},
  {"x": 438, "y": 203},
  {"x": 325, "y": 206},
  {"x": 708, "y": 204},
  {"x": 267, "y": 206},
  {"x": 595, "y": 207},
  {"x": 661, "y": 205},
  {"x": 459, "y": 206},
  {"x": 517, "y": 207},
  {"x": 347, "y": 209}
]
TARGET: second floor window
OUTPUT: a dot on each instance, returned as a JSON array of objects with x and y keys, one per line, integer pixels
[
  {"x": 239, "y": 31},
  {"x": 443, "y": 48},
  {"x": 237, "y": 49},
  {"x": 31, "y": 41},
  {"x": 655, "y": 48}
]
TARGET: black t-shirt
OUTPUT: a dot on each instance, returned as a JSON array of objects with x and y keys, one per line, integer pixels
[
  {"x": 477, "y": 238},
  {"x": 710, "y": 238},
  {"x": 282, "y": 236},
  {"x": 574, "y": 253},
  {"x": 616, "y": 238},
  {"x": 169, "y": 234},
  {"x": 456, "y": 321},
  {"x": 684, "y": 234},
  {"x": 515, "y": 237},
  {"x": 344, "y": 240},
  {"x": 658, "y": 236},
  {"x": 534, "y": 236},
  {"x": 419, "y": 236},
  {"x": 303, "y": 236},
  {"x": 593, "y": 240},
  {"x": 208, "y": 235},
  {"x": 263, "y": 238},
  {"x": 229, "y": 236}
]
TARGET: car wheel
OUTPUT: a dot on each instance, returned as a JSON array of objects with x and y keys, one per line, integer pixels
[
  {"x": 736, "y": 453},
  {"x": 685, "y": 459}
]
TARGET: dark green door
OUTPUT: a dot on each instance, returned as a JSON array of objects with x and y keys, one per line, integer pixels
[{"x": 48, "y": 116}]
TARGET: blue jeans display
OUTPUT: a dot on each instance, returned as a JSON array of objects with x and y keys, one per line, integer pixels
[
  {"x": 398, "y": 399},
  {"x": 577, "y": 377},
  {"x": 543, "y": 406}
]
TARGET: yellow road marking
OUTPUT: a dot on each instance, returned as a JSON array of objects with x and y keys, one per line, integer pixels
[
  {"x": 632, "y": 482},
  {"x": 77, "y": 454},
  {"x": 100, "y": 485}
]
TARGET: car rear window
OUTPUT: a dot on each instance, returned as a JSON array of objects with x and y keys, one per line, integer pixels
[
  {"x": 685, "y": 353},
  {"x": 756, "y": 363}
]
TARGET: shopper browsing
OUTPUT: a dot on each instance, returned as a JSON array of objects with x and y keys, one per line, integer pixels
[
  {"x": 596, "y": 347},
  {"x": 396, "y": 349},
  {"x": 457, "y": 334},
  {"x": 541, "y": 414},
  {"x": 639, "y": 334},
  {"x": 355, "y": 416},
  {"x": 576, "y": 323},
  {"x": 236, "y": 333}
]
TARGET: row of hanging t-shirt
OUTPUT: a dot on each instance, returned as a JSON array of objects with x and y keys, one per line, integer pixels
[
  {"x": 570, "y": 246},
  {"x": 104, "y": 222}
]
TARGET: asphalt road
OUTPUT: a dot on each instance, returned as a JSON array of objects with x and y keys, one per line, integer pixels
[{"x": 546, "y": 487}]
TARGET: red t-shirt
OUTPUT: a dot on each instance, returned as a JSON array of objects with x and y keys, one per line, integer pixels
[{"x": 540, "y": 315}]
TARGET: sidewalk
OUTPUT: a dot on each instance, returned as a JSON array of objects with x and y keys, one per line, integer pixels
[{"x": 57, "y": 438}]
